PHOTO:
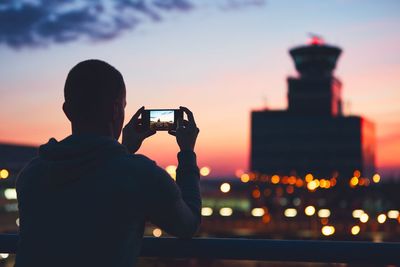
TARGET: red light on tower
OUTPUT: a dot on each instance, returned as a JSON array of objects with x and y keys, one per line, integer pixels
[{"x": 316, "y": 40}]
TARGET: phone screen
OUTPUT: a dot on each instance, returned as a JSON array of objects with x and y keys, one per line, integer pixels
[{"x": 162, "y": 119}]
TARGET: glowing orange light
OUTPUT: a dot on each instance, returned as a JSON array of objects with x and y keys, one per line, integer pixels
[
  {"x": 256, "y": 193},
  {"x": 333, "y": 182},
  {"x": 312, "y": 185},
  {"x": 252, "y": 176},
  {"x": 325, "y": 183},
  {"x": 309, "y": 177},
  {"x": 357, "y": 173},
  {"x": 266, "y": 218},
  {"x": 275, "y": 179},
  {"x": 376, "y": 178},
  {"x": 324, "y": 221},
  {"x": 353, "y": 181},
  {"x": 285, "y": 180},
  {"x": 292, "y": 180},
  {"x": 290, "y": 189},
  {"x": 4, "y": 174},
  {"x": 244, "y": 177},
  {"x": 299, "y": 183}
]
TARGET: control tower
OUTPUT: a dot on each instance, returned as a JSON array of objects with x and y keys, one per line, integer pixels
[
  {"x": 312, "y": 135},
  {"x": 316, "y": 90}
]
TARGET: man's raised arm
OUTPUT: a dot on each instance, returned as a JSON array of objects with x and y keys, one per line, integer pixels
[{"x": 175, "y": 207}]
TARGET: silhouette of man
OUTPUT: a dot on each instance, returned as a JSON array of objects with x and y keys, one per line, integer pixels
[{"x": 84, "y": 200}]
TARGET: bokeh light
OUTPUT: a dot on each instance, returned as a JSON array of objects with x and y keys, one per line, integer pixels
[
  {"x": 357, "y": 213},
  {"x": 381, "y": 218},
  {"x": 364, "y": 218},
  {"x": 290, "y": 212},
  {"x": 309, "y": 210},
  {"x": 4, "y": 174},
  {"x": 393, "y": 214},
  {"x": 244, "y": 177},
  {"x": 225, "y": 187},
  {"x": 376, "y": 178},
  {"x": 205, "y": 171},
  {"x": 225, "y": 212},
  {"x": 275, "y": 179},
  {"x": 328, "y": 230},
  {"x": 206, "y": 211},
  {"x": 355, "y": 230},
  {"x": 257, "y": 212},
  {"x": 324, "y": 213},
  {"x": 10, "y": 193},
  {"x": 157, "y": 232}
]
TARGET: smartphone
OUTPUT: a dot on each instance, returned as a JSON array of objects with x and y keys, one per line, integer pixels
[{"x": 162, "y": 119}]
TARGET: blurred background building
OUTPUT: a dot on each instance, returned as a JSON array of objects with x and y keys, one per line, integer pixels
[{"x": 312, "y": 135}]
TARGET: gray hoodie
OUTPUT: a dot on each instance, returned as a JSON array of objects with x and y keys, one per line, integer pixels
[{"x": 84, "y": 201}]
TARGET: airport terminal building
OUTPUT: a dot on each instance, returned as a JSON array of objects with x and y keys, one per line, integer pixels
[{"x": 312, "y": 135}]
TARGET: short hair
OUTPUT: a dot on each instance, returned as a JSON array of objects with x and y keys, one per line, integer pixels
[{"x": 91, "y": 88}]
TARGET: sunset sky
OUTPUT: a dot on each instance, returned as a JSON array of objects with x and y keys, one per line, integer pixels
[{"x": 221, "y": 61}]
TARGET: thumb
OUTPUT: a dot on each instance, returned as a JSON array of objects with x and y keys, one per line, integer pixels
[
  {"x": 179, "y": 123},
  {"x": 172, "y": 132}
]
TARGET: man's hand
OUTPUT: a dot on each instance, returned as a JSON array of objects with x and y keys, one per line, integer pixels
[
  {"x": 186, "y": 132},
  {"x": 135, "y": 132}
]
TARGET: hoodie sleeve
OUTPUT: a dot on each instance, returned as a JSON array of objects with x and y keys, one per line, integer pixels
[{"x": 176, "y": 207}]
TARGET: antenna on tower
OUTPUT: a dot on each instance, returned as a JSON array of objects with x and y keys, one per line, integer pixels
[
  {"x": 264, "y": 102},
  {"x": 348, "y": 107},
  {"x": 315, "y": 39}
]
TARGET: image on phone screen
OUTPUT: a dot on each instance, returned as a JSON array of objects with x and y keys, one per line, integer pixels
[{"x": 162, "y": 119}]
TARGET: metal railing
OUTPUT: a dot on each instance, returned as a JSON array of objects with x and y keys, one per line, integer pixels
[{"x": 258, "y": 249}]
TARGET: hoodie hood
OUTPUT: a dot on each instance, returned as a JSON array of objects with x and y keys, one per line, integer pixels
[{"x": 76, "y": 156}]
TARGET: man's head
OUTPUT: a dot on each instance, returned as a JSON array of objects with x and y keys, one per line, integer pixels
[{"x": 94, "y": 95}]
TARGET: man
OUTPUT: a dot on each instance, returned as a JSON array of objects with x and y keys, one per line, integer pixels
[{"x": 84, "y": 200}]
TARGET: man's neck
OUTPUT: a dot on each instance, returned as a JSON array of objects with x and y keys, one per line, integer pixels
[{"x": 87, "y": 129}]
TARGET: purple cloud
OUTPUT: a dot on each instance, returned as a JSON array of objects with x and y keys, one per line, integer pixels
[{"x": 33, "y": 23}]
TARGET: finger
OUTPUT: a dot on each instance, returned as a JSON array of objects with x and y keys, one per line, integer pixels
[
  {"x": 179, "y": 123},
  {"x": 190, "y": 115},
  {"x": 136, "y": 116}
]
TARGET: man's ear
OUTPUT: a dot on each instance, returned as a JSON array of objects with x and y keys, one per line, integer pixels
[{"x": 67, "y": 111}]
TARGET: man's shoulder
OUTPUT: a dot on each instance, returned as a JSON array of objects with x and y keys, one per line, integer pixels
[
  {"x": 137, "y": 162},
  {"x": 28, "y": 169}
]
